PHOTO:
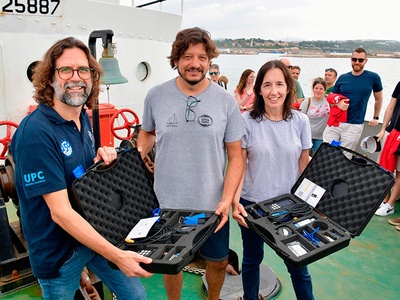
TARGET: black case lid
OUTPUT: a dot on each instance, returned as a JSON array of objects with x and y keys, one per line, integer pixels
[
  {"x": 113, "y": 209},
  {"x": 354, "y": 188}
]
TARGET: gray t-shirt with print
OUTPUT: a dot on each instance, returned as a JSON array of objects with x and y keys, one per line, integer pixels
[{"x": 191, "y": 155}]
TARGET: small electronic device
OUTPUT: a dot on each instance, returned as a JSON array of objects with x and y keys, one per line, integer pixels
[
  {"x": 146, "y": 252},
  {"x": 280, "y": 204}
]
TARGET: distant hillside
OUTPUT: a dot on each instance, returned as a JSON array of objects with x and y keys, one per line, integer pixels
[{"x": 371, "y": 46}]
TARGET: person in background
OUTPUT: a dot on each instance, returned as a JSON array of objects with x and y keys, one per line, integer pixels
[
  {"x": 198, "y": 129},
  {"x": 317, "y": 110},
  {"x": 330, "y": 79},
  {"x": 214, "y": 75},
  {"x": 224, "y": 80},
  {"x": 244, "y": 93},
  {"x": 298, "y": 90},
  {"x": 295, "y": 72},
  {"x": 388, "y": 136},
  {"x": 275, "y": 150},
  {"x": 48, "y": 146},
  {"x": 356, "y": 86}
]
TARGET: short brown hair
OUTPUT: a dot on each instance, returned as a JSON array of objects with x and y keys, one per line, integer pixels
[
  {"x": 44, "y": 72},
  {"x": 319, "y": 80},
  {"x": 189, "y": 36}
]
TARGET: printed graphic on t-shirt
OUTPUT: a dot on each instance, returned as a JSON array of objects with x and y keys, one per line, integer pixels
[
  {"x": 318, "y": 110},
  {"x": 172, "y": 121}
]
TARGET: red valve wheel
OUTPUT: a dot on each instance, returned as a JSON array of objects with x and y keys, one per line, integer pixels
[
  {"x": 130, "y": 120},
  {"x": 7, "y": 139}
]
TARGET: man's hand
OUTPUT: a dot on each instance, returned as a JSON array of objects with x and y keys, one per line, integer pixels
[
  {"x": 373, "y": 123},
  {"x": 107, "y": 154},
  {"x": 343, "y": 104},
  {"x": 222, "y": 210},
  {"x": 128, "y": 262}
]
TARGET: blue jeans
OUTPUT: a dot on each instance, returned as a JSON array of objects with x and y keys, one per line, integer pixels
[
  {"x": 253, "y": 254},
  {"x": 316, "y": 144},
  {"x": 64, "y": 287}
]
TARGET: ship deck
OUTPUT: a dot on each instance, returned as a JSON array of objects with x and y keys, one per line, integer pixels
[{"x": 367, "y": 269}]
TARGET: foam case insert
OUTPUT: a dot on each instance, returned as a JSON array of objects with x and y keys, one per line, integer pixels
[
  {"x": 114, "y": 198},
  {"x": 345, "y": 192}
]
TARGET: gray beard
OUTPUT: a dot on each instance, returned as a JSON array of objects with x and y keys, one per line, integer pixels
[{"x": 75, "y": 99}]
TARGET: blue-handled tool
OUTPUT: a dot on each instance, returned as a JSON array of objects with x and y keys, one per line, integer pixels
[{"x": 194, "y": 220}]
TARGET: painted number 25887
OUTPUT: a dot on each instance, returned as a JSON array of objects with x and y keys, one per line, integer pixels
[{"x": 43, "y": 7}]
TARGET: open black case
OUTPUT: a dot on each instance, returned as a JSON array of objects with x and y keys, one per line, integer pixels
[
  {"x": 345, "y": 192},
  {"x": 114, "y": 198}
]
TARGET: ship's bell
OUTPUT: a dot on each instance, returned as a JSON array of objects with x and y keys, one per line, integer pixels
[{"x": 112, "y": 73}]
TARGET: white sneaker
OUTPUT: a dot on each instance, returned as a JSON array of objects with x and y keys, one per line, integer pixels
[{"x": 384, "y": 210}]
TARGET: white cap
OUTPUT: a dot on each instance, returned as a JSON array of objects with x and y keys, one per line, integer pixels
[{"x": 370, "y": 144}]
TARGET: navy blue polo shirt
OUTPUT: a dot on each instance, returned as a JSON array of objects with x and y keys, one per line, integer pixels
[{"x": 46, "y": 149}]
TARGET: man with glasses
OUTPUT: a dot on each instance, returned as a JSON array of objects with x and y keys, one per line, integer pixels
[
  {"x": 196, "y": 125},
  {"x": 214, "y": 75},
  {"x": 48, "y": 147},
  {"x": 355, "y": 88},
  {"x": 330, "y": 79}
]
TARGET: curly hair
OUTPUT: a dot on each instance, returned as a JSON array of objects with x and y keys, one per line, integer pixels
[
  {"x": 259, "y": 106},
  {"x": 44, "y": 71},
  {"x": 189, "y": 36}
]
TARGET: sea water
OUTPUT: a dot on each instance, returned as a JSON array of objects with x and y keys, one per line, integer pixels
[{"x": 232, "y": 66}]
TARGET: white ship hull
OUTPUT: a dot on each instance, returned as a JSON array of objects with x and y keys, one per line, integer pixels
[{"x": 141, "y": 35}]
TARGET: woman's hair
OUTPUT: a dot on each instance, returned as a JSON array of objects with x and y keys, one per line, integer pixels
[
  {"x": 44, "y": 72},
  {"x": 259, "y": 106},
  {"x": 319, "y": 80},
  {"x": 224, "y": 79},
  {"x": 242, "y": 81},
  {"x": 189, "y": 36}
]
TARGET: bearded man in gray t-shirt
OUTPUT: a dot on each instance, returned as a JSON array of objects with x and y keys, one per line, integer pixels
[{"x": 196, "y": 125}]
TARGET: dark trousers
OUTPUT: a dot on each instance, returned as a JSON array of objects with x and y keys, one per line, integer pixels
[{"x": 253, "y": 254}]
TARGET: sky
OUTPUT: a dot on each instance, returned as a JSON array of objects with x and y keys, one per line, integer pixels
[{"x": 290, "y": 19}]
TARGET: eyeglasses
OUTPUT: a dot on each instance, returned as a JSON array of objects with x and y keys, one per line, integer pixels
[
  {"x": 66, "y": 73},
  {"x": 213, "y": 73},
  {"x": 190, "y": 115},
  {"x": 361, "y": 60}
]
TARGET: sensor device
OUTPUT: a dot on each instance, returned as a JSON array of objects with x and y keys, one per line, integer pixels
[{"x": 280, "y": 204}]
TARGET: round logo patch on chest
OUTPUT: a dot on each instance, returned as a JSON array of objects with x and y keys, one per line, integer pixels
[{"x": 205, "y": 120}]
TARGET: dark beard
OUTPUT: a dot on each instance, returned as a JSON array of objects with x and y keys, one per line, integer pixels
[{"x": 192, "y": 82}]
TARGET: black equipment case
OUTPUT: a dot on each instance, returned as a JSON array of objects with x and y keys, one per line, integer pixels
[
  {"x": 114, "y": 198},
  {"x": 349, "y": 193}
]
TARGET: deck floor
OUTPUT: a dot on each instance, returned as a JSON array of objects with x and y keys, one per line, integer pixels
[{"x": 367, "y": 269}]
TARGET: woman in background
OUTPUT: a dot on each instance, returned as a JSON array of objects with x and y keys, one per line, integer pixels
[
  {"x": 244, "y": 93},
  {"x": 317, "y": 110},
  {"x": 275, "y": 149}
]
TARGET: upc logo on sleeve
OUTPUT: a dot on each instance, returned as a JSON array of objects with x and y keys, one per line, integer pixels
[{"x": 34, "y": 178}]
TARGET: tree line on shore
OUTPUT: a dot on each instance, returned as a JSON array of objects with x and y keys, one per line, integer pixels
[{"x": 345, "y": 46}]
